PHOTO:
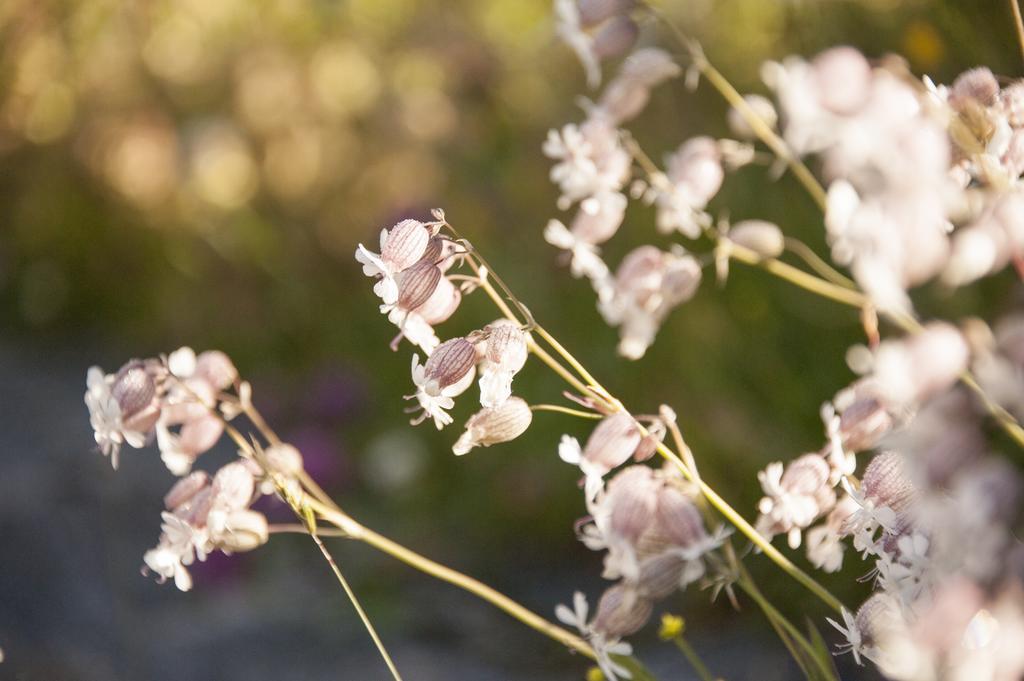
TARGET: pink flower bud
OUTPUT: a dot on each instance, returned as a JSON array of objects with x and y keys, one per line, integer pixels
[
  {"x": 405, "y": 244},
  {"x": 620, "y": 612},
  {"x": 697, "y": 168},
  {"x": 806, "y": 475},
  {"x": 492, "y": 426},
  {"x": 678, "y": 520},
  {"x": 843, "y": 77},
  {"x": 216, "y": 367},
  {"x": 613, "y": 441},
  {"x": 416, "y": 284},
  {"x": 615, "y": 37},
  {"x": 185, "y": 489},
  {"x": 978, "y": 84},
  {"x": 284, "y": 459},
  {"x": 879, "y": 619},
  {"x": 448, "y": 365},
  {"x": 233, "y": 486},
  {"x": 243, "y": 530},
  {"x": 863, "y": 423},
  {"x": 660, "y": 575},
  {"x": 134, "y": 388},
  {"x": 593, "y": 12},
  {"x": 762, "y": 237},
  {"x": 632, "y": 498}
]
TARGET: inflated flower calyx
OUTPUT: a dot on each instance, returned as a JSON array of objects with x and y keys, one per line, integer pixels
[
  {"x": 493, "y": 426},
  {"x": 405, "y": 244},
  {"x": 615, "y": 37},
  {"x": 762, "y": 237},
  {"x": 448, "y": 364},
  {"x": 621, "y": 612},
  {"x": 416, "y": 284},
  {"x": 677, "y": 520},
  {"x": 185, "y": 489},
  {"x": 135, "y": 390},
  {"x": 593, "y": 12},
  {"x": 243, "y": 530},
  {"x": 632, "y": 497},
  {"x": 885, "y": 482},
  {"x": 613, "y": 441},
  {"x": 978, "y": 85},
  {"x": 843, "y": 78}
]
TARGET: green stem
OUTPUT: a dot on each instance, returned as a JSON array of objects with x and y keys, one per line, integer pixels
[
  {"x": 566, "y": 410},
  {"x": 694, "y": 659}
]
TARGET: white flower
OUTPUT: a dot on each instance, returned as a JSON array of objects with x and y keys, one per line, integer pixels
[
  {"x": 386, "y": 288},
  {"x": 570, "y": 29},
  {"x": 105, "y": 417},
  {"x": 569, "y": 451},
  {"x": 854, "y": 641},
  {"x": 415, "y": 328},
  {"x": 603, "y": 648},
  {"x": 436, "y": 406},
  {"x": 180, "y": 544}
]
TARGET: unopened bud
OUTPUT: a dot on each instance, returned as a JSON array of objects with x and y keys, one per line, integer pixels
[
  {"x": 760, "y": 236},
  {"x": 678, "y": 520},
  {"x": 244, "y": 530},
  {"x": 416, "y": 284},
  {"x": 615, "y": 37},
  {"x": 977, "y": 84},
  {"x": 593, "y": 12},
  {"x": 632, "y": 497},
  {"x": 613, "y": 441},
  {"x": 233, "y": 486},
  {"x": 492, "y": 426},
  {"x": 185, "y": 489},
  {"x": 621, "y": 612},
  {"x": 843, "y": 77},
  {"x": 284, "y": 458},
  {"x": 448, "y": 364},
  {"x": 216, "y": 368},
  {"x": 134, "y": 388},
  {"x": 405, "y": 244}
]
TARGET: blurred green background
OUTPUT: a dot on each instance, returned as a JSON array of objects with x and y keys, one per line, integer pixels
[{"x": 199, "y": 172}]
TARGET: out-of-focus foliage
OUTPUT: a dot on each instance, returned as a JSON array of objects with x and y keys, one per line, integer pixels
[{"x": 198, "y": 171}]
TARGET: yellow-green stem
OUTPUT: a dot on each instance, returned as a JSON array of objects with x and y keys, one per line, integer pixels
[
  {"x": 693, "y": 658},
  {"x": 566, "y": 410},
  {"x": 1019, "y": 23},
  {"x": 473, "y": 586},
  {"x": 359, "y": 608}
]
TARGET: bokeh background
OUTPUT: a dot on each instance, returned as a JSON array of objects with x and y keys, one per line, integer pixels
[{"x": 199, "y": 172}]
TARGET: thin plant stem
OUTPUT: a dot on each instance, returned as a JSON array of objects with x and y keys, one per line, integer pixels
[
  {"x": 794, "y": 275},
  {"x": 355, "y": 603},
  {"x": 693, "y": 658},
  {"x": 446, "y": 574},
  {"x": 296, "y": 528},
  {"x": 816, "y": 263},
  {"x": 566, "y": 410},
  {"x": 760, "y": 127},
  {"x": 1019, "y": 23}
]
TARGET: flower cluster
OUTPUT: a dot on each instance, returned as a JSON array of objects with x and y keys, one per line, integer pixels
[
  {"x": 645, "y": 520},
  {"x": 411, "y": 279},
  {"x": 931, "y": 511},
  {"x": 921, "y": 177},
  {"x": 181, "y": 402}
]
